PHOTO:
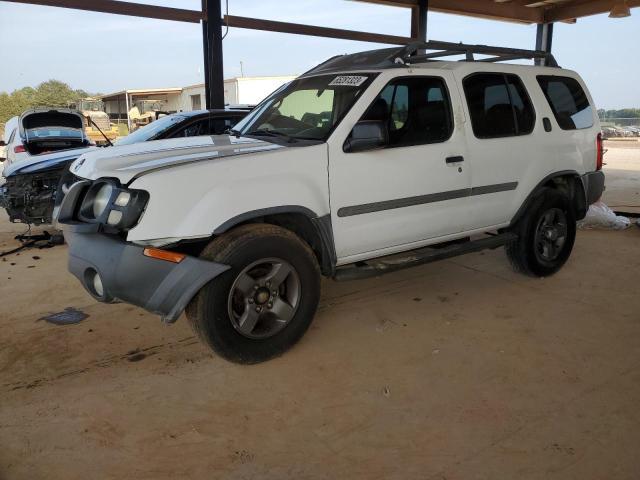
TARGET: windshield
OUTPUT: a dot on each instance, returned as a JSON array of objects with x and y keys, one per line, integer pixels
[
  {"x": 152, "y": 130},
  {"x": 149, "y": 105},
  {"x": 88, "y": 105},
  {"x": 305, "y": 109}
]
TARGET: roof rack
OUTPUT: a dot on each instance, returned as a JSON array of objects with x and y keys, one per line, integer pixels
[
  {"x": 409, "y": 54},
  {"x": 420, "y": 52}
]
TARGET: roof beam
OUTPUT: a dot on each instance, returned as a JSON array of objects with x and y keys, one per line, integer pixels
[
  {"x": 122, "y": 8},
  {"x": 575, "y": 10},
  {"x": 508, "y": 11},
  {"x": 299, "y": 29}
]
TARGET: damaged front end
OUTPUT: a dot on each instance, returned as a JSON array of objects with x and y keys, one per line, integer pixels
[{"x": 31, "y": 197}]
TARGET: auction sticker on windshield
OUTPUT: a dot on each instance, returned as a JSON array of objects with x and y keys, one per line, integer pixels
[{"x": 348, "y": 81}]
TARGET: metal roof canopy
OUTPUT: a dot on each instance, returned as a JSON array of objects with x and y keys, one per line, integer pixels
[{"x": 542, "y": 12}]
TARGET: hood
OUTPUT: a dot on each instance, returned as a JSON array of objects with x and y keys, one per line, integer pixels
[
  {"x": 44, "y": 161},
  {"x": 129, "y": 161}
]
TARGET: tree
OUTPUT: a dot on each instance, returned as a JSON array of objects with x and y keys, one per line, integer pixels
[{"x": 52, "y": 93}]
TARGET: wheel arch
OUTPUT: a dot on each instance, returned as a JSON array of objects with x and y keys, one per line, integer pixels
[
  {"x": 567, "y": 181},
  {"x": 315, "y": 230}
]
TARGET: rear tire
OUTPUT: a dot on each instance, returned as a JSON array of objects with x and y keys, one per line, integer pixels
[
  {"x": 546, "y": 234},
  {"x": 265, "y": 302}
]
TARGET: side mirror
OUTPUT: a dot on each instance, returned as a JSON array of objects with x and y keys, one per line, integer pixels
[
  {"x": 2, "y": 144},
  {"x": 366, "y": 135}
]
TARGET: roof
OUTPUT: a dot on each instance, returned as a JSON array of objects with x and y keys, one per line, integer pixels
[
  {"x": 524, "y": 11},
  {"x": 142, "y": 91}
]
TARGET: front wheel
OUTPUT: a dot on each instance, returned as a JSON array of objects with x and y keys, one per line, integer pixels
[
  {"x": 265, "y": 302},
  {"x": 546, "y": 235}
]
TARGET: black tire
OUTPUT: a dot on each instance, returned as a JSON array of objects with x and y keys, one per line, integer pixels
[
  {"x": 211, "y": 311},
  {"x": 527, "y": 254}
]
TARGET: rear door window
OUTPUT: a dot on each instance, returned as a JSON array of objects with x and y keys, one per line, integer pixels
[
  {"x": 499, "y": 105},
  {"x": 568, "y": 101}
]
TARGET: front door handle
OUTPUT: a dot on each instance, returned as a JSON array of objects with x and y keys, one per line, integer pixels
[{"x": 456, "y": 159}]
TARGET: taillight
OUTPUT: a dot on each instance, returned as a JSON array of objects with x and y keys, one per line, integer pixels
[
  {"x": 599, "y": 152},
  {"x": 19, "y": 149}
]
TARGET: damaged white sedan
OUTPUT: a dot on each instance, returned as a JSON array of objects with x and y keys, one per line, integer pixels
[{"x": 40, "y": 145}]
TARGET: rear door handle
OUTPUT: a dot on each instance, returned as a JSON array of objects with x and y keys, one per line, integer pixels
[{"x": 456, "y": 159}]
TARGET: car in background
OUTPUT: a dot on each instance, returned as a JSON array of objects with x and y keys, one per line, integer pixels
[
  {"x": 609, "y": 132},
  {"x": 40, "y": 144},
  {"x": 46, "y": 141},
  {"x": 187, "y": 124},
  {"x": 632, "y": 131},
  {"x": 9, "y": 129}
]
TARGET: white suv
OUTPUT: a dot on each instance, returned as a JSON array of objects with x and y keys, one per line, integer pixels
[{"x": 365, "y": 156}]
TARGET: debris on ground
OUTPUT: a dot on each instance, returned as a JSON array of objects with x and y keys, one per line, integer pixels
[
  {"x": 43, "y": 240},
  {"x": 68, "y": 316},
  {"x": 600, "y": 215}
]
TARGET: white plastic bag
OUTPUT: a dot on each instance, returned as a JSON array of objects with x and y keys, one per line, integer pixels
[{"x": 601, "y": 216}]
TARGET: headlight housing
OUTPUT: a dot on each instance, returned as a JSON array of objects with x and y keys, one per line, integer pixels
[
  {"x": 101, "y": 199},
  {"x": 116, "y": 208}
]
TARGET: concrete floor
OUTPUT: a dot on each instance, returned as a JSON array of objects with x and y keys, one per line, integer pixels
[{"x": 455, "y": 370}]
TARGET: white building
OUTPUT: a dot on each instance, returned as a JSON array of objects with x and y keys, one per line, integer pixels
[{"x": 237, "y": 91}]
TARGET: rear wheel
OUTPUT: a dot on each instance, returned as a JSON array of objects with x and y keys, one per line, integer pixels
[
  {"x": 265, "y": 302},
  {"x": 546, "y": 235}
]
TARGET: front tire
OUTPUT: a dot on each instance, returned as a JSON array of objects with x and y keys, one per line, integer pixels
[
  {"x": 265, "y": 302},
  {"x": 546, "y": 234}
]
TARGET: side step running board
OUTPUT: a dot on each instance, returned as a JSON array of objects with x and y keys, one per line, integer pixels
[{"x": 373, "y": 268}]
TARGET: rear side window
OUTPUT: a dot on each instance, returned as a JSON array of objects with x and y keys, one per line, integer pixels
[
  {"x": 417, "y": 111},
  {"x": 499, "y": 105},
  {"x": 568, "y": 101}
]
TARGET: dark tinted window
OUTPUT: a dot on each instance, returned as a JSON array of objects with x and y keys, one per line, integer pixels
[
  {"x": 417, "y": 111},
  {"x": 206, "y": 126},
  {"x": 568, "y": 101},
  {"x": 499, "y": 105},
  {"x": 525, "y": 117}
]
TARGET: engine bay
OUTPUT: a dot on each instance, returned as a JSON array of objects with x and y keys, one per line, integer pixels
[{"x": 30, "y": 197}]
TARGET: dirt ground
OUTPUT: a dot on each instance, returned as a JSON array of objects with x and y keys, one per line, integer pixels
[{"x": 454, "y": 370}]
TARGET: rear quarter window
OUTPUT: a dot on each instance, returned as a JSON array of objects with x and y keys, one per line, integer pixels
[{"x": 568, "y": 101}]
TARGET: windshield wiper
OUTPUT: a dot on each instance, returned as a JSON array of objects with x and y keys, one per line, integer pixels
[
  {"x": 109, "y": 142},
  {"x": 272, "y": 133}
]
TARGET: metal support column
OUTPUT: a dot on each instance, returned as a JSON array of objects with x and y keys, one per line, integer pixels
[
  {"x": 212, "y": 49},
  {"x": 544, "y": 39},
  {"x": 419, "y": 15}
]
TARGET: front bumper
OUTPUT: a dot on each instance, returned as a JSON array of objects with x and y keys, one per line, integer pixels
[
  {"x": 593, "y": 186},
  {"x": 125, "y": 274}
]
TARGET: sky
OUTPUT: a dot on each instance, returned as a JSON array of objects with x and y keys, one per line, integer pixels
[{"x": 106, "y": 53}]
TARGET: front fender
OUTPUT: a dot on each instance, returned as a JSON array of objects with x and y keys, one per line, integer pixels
[{"x": 195, "y": 200}]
